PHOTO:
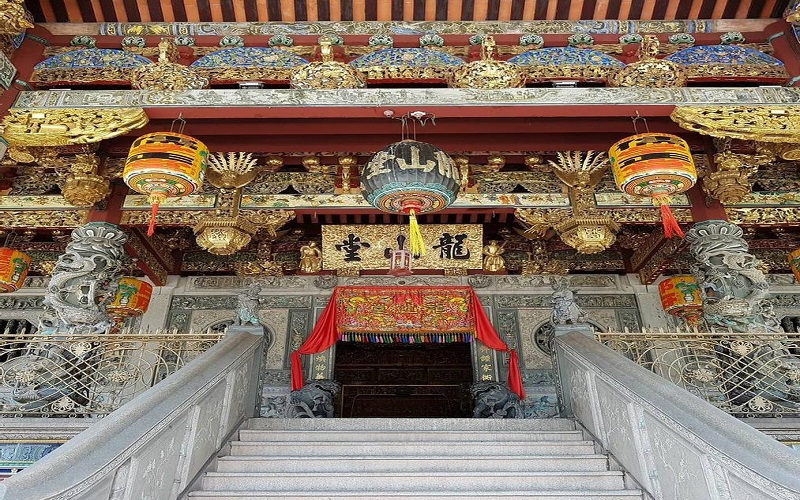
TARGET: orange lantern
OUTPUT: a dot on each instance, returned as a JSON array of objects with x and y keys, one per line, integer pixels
[
  {"x": 794, "y": 262},
  {"x": 132, "y": 299},
  {"x": 163, "y": 165},
  {"x": 680, "y": 296},
  {"x": 14, "y": 267},
  {"x": 656, "y": 166}
]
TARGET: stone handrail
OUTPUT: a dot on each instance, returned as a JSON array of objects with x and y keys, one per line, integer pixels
[
  {"x": 674, "y": 444},
  {"x": 154, "y": 445}
]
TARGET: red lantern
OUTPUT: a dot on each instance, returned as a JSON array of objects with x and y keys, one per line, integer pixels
[
  {"x": 14, "y": 267},
  {"x": 656, "y": 166},
  {"x": 680, "y": 296},
  {"x": 132, "y": 299}
]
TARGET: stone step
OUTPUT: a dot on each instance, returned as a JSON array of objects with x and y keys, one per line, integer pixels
[
  {"x": 461, "y": 495},
  {"x": 480, "y": 464},
  {"x": 410, "y": 424},
  {"x": 412, "y": 436},
  {"x": 303, "y": 448},
  {"x": 412, "y": 482}
]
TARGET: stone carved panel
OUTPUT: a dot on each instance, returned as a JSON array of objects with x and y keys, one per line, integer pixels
[
  {"x": 529, "y": 322},
  {"x": 234, "y": 282},
  {"x": 580, "y": 399},
  {"x": 275, "y": 321},
  {"x": 583, "y": 300},
  {"x": 678, "y": 468},
  {"x": 206, "y": 432},
  {"x": 194, "y": 302},
  {"x": 621, "y": 428},
  {"x": 49, "y": 99},
  {"x": 274, "y": 402},
  {"x": 741, "y": 489},
  {"x": 155, "y": 464}
]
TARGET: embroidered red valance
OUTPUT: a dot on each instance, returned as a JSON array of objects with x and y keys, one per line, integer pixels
[{"x": 388, "y": 313}]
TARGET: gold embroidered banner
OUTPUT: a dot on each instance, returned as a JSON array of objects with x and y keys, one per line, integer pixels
[{"x": 367, "y": 247}]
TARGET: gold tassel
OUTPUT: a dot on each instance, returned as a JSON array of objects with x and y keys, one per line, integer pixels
[{"x": 414, "y": 234}]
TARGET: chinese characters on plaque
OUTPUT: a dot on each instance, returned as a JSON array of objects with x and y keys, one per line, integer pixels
[{"x": 370, "y": 247}]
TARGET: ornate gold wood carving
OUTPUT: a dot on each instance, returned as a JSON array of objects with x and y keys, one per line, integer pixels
[
  {"x": 649, "y": 71},
  {"x": 731, "y": 183},
  {"x": 13, "y": 17},
  {"x": 768, "y": 123},
  {"x": 43, "y": 218},
  {"x": 166, "y": 74},
  {"x": 83, "y": 187},
  {"x": 61, "y": 127}
]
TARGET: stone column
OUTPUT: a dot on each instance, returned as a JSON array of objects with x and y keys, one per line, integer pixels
[
  {"x": 85, "y": 281},
  {"x": 734, "y": 289}
]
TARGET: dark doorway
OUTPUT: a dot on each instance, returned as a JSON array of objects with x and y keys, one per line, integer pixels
[{"x": 403, "y": 380}]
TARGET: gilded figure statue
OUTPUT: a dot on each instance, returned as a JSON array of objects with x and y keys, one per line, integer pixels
[
  {"x": 493, "y": 260},
  {"x": 310, "y": 258}
]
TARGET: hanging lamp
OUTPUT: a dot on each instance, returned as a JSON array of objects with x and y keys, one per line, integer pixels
[
  {"x": 794, "y": 263},
  {"x": 680, "y": 296},
  {"x": 14, "y": 267},
  {"x": 132, "y": 298},
  {"x": 656, "y": 166},
  {"x": 410, "y": 177},
  {"x": 163, "y": 165}
]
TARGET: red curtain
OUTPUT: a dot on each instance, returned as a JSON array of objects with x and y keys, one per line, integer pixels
[
  {"x": 485, "y": 332},
  {"x": 322, "y": 337},
  {"x": 325, "y": 334}
]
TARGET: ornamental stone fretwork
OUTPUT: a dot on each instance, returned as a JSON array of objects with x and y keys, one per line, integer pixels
[
  {"x": 85, "y": 281},
  {"x": 735, "y": 291}
]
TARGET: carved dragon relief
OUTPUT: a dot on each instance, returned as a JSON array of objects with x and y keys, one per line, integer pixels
[
  {"x": 735, "y": 290},
  {"x": 84, "y": 281}
]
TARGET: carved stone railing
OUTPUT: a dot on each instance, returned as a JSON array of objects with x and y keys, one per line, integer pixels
[
  {"x": 88, "y": 375},
  {"x": 743, "y": 374},
  {"x": 674, "y": 445},
  {"x": 156, "y": 444}
]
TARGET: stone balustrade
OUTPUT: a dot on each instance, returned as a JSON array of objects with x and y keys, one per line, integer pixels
[
  {"x": 673, "y": 444},
  {"x": 155, "y": 445}
]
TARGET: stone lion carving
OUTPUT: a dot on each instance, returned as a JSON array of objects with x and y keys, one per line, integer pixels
[
  {"x": 495, "y": 400},
  {"x": 565, "y": 310},
  {"x": 314, "y": 400}
]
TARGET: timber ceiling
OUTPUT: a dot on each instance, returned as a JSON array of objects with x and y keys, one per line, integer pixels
[{"x": 91, "y": 11}]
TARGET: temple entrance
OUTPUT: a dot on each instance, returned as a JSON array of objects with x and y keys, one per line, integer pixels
[{"x": 403, "y": 380}]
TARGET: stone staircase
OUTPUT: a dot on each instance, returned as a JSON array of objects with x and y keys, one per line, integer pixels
[{"x": 411, "y": 459}]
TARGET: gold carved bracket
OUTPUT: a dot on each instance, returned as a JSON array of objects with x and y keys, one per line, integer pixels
[
  {"x": 768, "y": 123},
  {"x": 62, "y": 127}
]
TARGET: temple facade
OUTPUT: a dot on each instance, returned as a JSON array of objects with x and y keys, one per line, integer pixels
[{"x": 411, "y": 200}]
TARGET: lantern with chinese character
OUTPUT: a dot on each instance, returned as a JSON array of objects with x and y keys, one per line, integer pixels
[
  {"x": 656, "y": 166},
  {"x": 132, "y": 299},
  {"x": 410, "y": 177},
  {"x": 163, "y": 165},
  {"x": 14, "y": 267},
  {"x": 794, "y": 263},
  {"x": 680, "y": 296}
]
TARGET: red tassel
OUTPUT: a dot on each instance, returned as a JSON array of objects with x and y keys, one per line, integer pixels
[
  {"x": 151, "y": 229},
  {"x": 670, "y": 223}
]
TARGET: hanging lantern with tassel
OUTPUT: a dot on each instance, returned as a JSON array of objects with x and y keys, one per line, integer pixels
[
  {"x": 411, "y": 177},
  {"x": 794, "y": 263},
  {"x": 656, "y": 166},
  {"x": 132, "y": 298},
  {"x": 14, "y": 267},
  {"x": 163, "y": 165},
  {"x": 680, "y": 296}
]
